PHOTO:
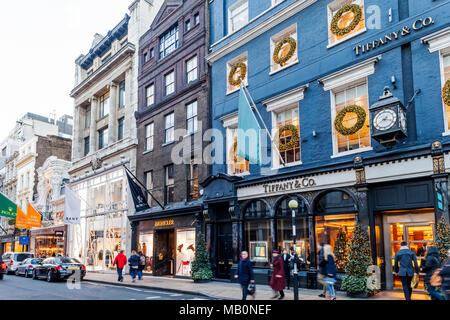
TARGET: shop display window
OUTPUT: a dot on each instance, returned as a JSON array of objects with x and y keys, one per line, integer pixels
[
  {"x": 145, "y": 245},
  {"x": 327, "y": 227},
  {"x": 185, "y": 252}
]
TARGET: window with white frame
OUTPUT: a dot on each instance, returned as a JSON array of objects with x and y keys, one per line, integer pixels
[
  {"x": 192, "y": 69},
  {"x": 169, "y": 81},
  {"x": 237, "y": 71},
  {"x": 191, "y": 118},
  {"x": 169, "y": 128},
  {"x": 104, "y": 105},
  {"x": 168, "y": 42},
  {"x": 237, "y": 165},
  {"x": 149, "y": 133},
  {"x": 352, "y": 95},
  {"x": 237, "y": 16},
  {"x": 149, "y": 185},
  {"x": 150, "y": 94},
  {"x": 284, "y": 49},
  {"x": 288, "y": 132},
  {"x": 345, "y": 24},
  {"x": 446, "y": 77}
]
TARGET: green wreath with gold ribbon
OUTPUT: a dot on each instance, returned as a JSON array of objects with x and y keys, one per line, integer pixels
[
  {"x": 446, "y": 93},
  {"x": 294, "y": 137},
  {"x": 243, "y": 71},
  {"x": 356, "y": 19},
  {"x": 292, "y": 47},
  {"x": 360, "y": 112}
]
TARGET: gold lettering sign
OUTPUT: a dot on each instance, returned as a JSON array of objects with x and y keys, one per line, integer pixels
[
  {"x": 164, "y": 223},
  {"x": 417, "y": 25},
  {"x": 289, "y": 185}
]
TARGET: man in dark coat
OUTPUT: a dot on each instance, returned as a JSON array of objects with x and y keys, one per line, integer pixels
[
  {"x": 322, "y": 271},
  {"x": 432, "y": 262},
  {"x": 405, "y": 266},
  {"x": 277, "y": 281},
  {"x": 286, "y": 263},
  {"x": 244, "y": 274},
  {"x": 133, "y": 261},
  {"x": 445, "y": 274}
]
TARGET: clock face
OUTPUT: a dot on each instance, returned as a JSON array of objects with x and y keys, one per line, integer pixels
[
  {"x": 403, "y": 120},
  {"x": 384, "y": 120}
]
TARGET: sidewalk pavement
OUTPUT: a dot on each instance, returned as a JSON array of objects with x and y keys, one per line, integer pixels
[{"x": 229, "y": 291}]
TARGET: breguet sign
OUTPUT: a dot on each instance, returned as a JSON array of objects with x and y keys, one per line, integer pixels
[
  {"x": 393, "y": 36},
  {"x": 289, "y": 185}
]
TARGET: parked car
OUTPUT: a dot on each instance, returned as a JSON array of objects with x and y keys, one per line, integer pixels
[
  {"x": 27, "y": 266},
  {"x": 13, "y": 259},
  {"x": 58, "y": 268},
  {"x": 2, "y": 268}
]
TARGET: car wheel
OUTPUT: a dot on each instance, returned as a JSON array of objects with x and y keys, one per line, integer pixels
[
  {"x": 26, "y": 274},
  {"x": 34, "y": 275},
  {"x": 16, "y": 272},
  {"x": 49, "y": 276}
]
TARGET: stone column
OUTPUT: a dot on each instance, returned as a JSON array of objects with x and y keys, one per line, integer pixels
[
  {"x": 112, "y": 121},
  {"x": 77, "y": 129},
  {"x": 93, "y": 127},
  {"x": 440, "y": 183},
  {"x": 129, "y": 122}
]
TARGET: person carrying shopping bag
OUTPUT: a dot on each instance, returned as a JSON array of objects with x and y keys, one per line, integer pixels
[
  {"x": 330, "y": 278},
  {"x": 244, "y": 274}
]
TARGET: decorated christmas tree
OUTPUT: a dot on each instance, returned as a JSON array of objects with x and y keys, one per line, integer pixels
[
  {"x": 201, "y": 267},
  {"x": 341, "y": 250},
  {"x": 355, "y": 280},
  {"x": 443, "y": 238}
]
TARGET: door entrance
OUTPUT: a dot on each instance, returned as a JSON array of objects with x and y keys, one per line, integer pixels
[
  {"x": 417, "y": 231},
  {"x": 164, "y": 255},
  {"x": 224, "y": 250}
]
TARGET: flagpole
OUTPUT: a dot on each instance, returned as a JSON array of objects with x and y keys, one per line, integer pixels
[
  {"x": 128, "y": 170},
  {"x": 264, "y": 124}
]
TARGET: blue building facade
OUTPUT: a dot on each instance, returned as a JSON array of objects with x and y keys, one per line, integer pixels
[{"x": 352, "y": 93}]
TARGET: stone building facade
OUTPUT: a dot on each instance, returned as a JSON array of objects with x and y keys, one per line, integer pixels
[{"x": 105, "y": 99}]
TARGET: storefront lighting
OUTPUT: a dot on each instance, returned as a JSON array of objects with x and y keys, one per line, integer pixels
[{"x": 293, "y": 204}]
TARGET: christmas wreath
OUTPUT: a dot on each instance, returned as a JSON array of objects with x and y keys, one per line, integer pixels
[
  {"x": 294, "y": 137},
  {"x": 290, "y": 54},
  {"x": 360, "y": 112},
  {"x": 446, "y": 93},
  {"x": 356, "y": 19},
  {"x": 243, "y": 71}
]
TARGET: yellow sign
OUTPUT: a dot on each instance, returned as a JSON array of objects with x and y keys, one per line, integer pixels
[{"x": 164, "y": 223}]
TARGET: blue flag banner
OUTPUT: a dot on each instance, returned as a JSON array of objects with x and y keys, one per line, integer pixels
[{"x": 248, "y": 140}]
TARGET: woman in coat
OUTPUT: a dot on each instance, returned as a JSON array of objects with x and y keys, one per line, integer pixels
[
  {"x": 244, "y": 274},
  {"x": 445, "y": 274},
  {"x": 330, "y": 279},
  {"x": 432, "y": 262},
  {"x": 277, "y": 281}
]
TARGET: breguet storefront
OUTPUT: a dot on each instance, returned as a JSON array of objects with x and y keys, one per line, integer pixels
[{"x": 393, "y": 200}]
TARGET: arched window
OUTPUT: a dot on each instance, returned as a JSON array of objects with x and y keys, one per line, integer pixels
[
  {"x": 257, "y": 232},
  {"x": 284, "y": 228},
  {"x": 334, "y": 211}
]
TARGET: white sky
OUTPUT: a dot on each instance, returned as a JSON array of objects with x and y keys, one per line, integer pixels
[{"x": 40, "y": 41}]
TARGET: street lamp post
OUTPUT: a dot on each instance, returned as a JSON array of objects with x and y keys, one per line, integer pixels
[{"x": 293, "y": 204}]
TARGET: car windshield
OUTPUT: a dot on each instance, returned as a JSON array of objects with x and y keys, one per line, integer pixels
[
  {"x": 36, "y": 261},
  {"x": 23, "y": 256},
  {"x": 66, "y": 260}
]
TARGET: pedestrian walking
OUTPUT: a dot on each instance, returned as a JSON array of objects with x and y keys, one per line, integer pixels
[
  {"x": 244, "y": 274},
  {"x": 277, "y": 281},
  {"x": 406, "y": 266},
  {"x": 142, "y": 262},
  {"x": 445, "y": 274},
  {"x": 322, "y": 272},
  {"x": 286, "y": 263},
  {"x": 432, "y": 263},
  {"x": 330, "y": 267},
  {"x": 133, "y": 261},
  {"x": 120, "y": 261}
]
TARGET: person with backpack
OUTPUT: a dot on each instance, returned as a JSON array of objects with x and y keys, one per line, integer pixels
[
  {"x": 432, "y": 262},
  {"x": 134, "y": 265},
  {"x": 244, "y": 274},
  {"x": 406, "y": 266},
  {"x": 445, "y": 275},
  {"x": 120, "y": 261},
  {"x": 142, "y": 263}
]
